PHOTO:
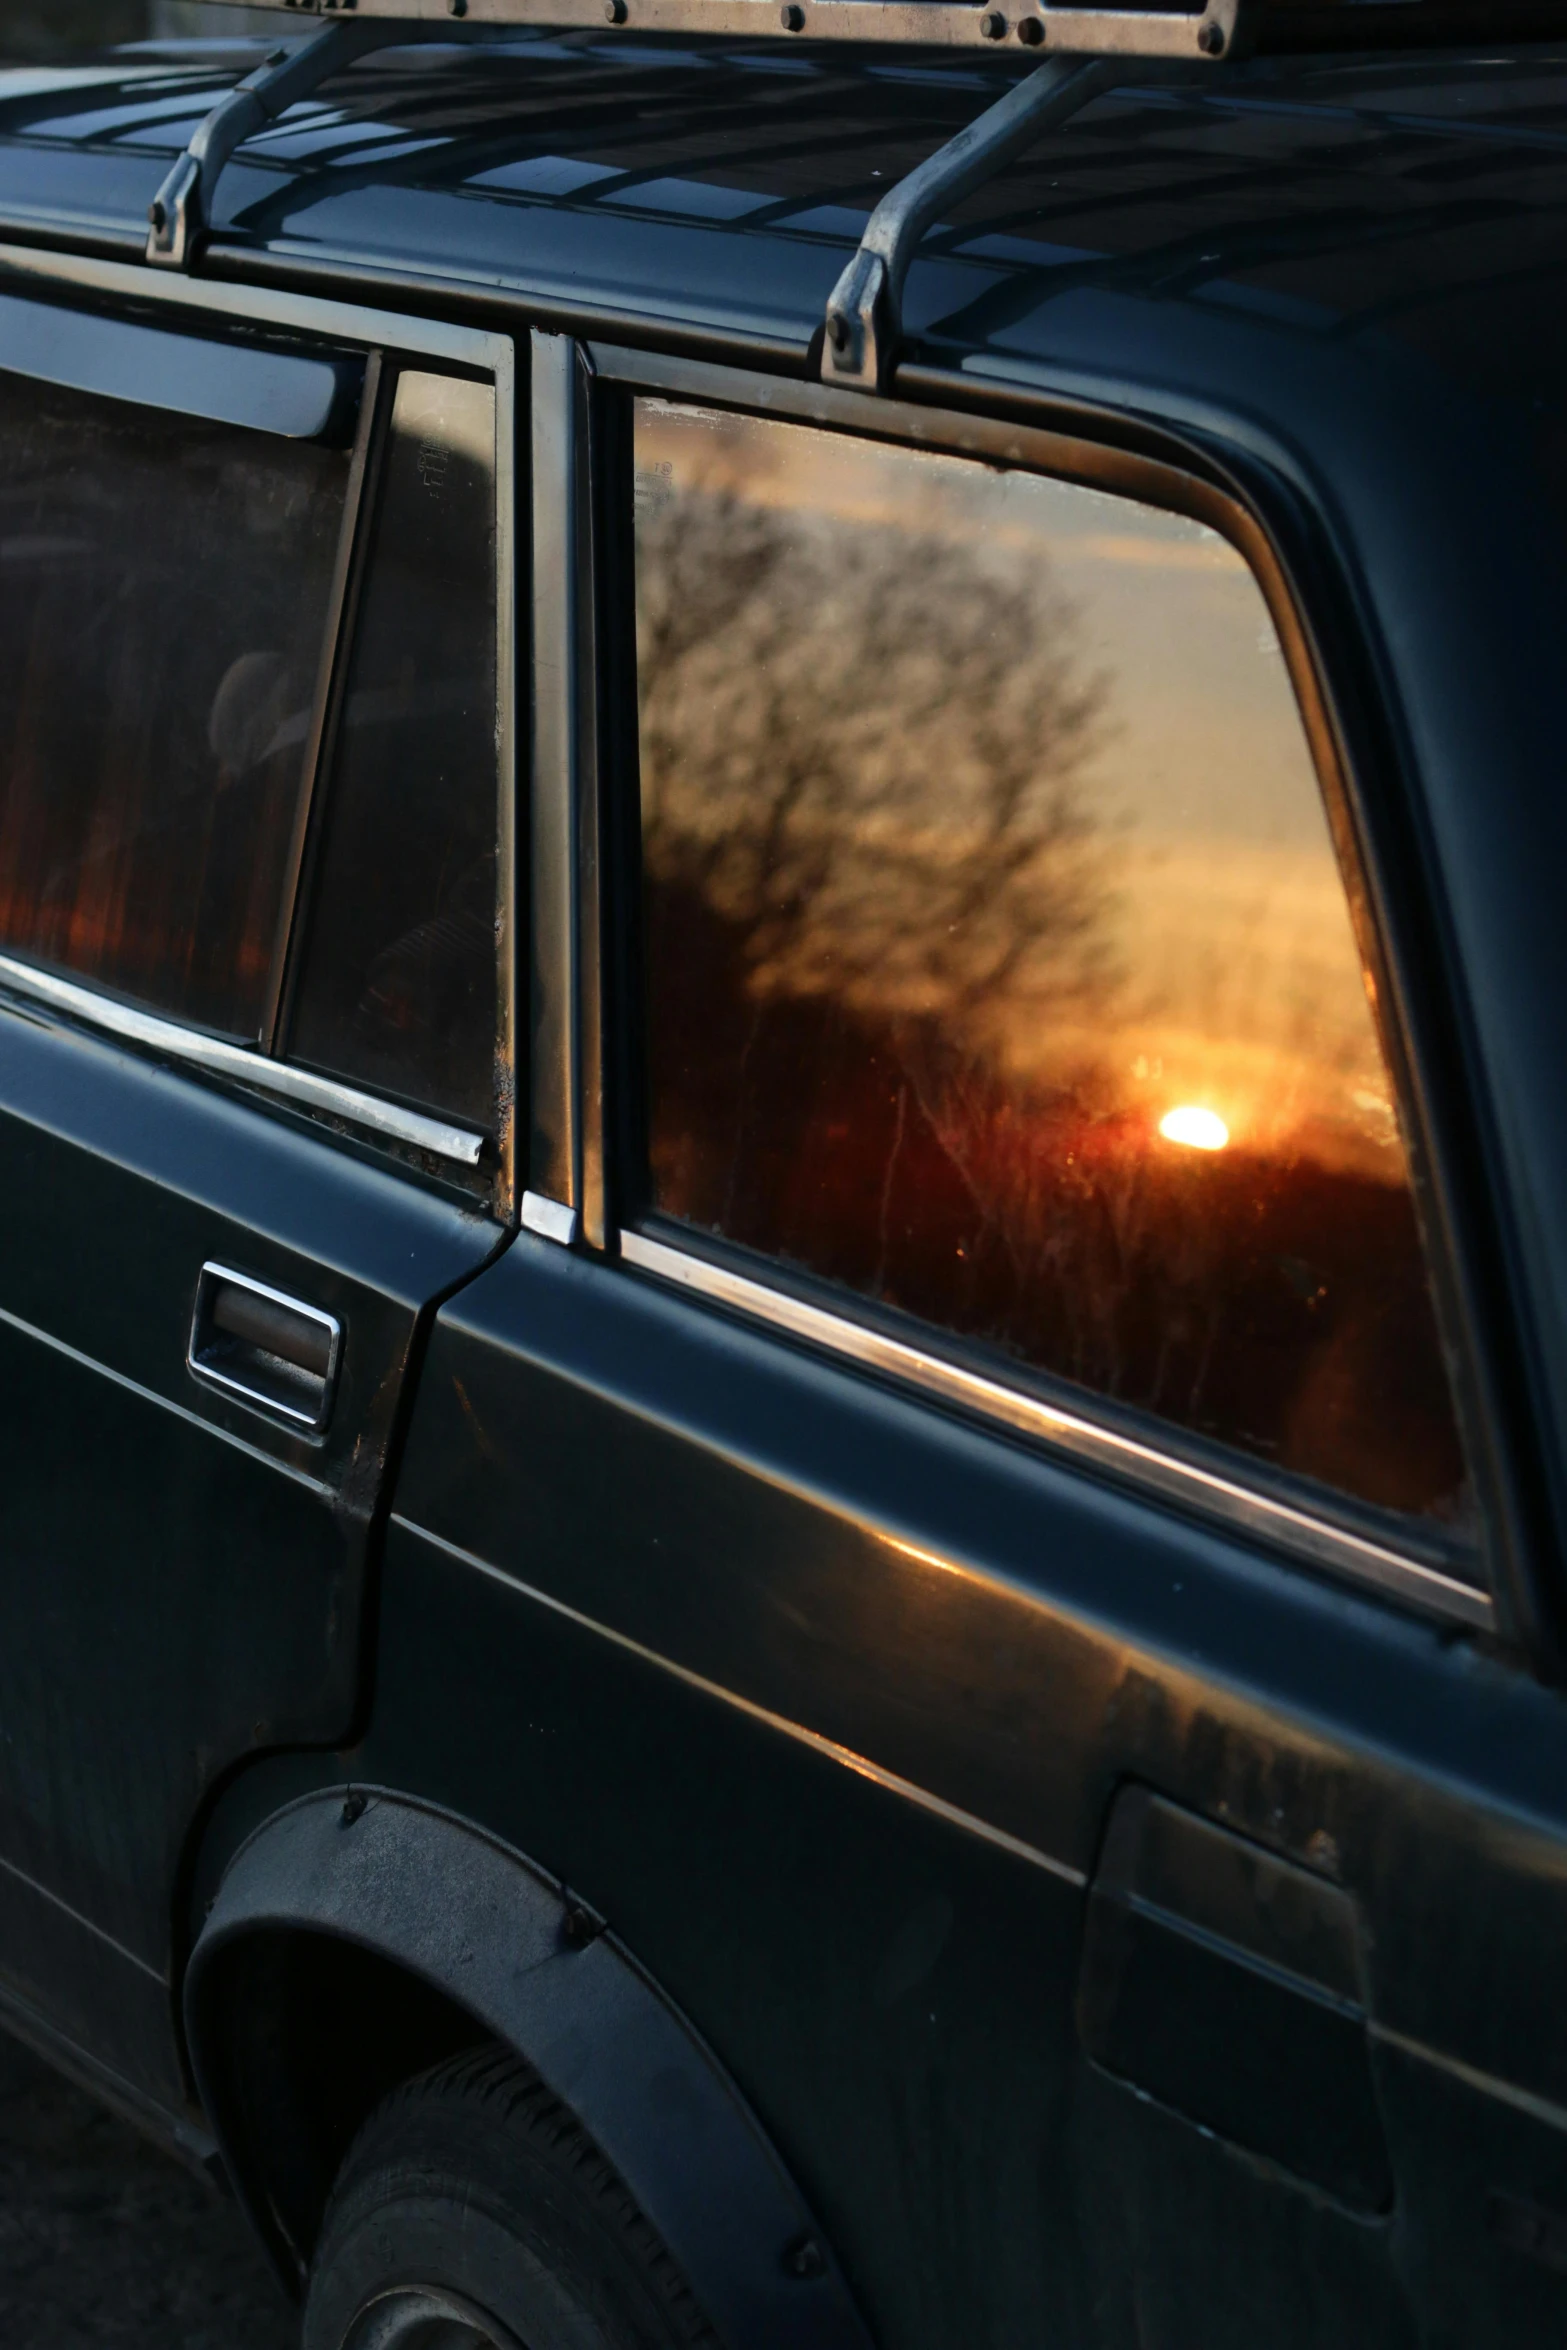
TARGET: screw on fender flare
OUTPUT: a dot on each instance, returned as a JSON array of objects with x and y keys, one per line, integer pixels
[{"x": 580, "y": 1926}]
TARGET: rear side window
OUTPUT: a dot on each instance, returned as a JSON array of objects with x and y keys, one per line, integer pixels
[
  {"x": 164, "y": 585},
  {"x": 398, "y": 983},
  {"x": 999, "y": 965}
]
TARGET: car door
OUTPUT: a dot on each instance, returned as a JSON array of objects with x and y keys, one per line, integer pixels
[
  {"x": 254, "y": 1035},
  {"x": 972, "y": 1465}
]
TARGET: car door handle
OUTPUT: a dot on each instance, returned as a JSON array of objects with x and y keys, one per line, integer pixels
[
  {"x": 273, "y": 1351},
  {"x": 1225, "y": 1983}
]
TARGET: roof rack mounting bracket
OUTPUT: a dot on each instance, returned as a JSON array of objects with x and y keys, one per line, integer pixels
[
  {"x": 181, "y": 211},
  {"x": 865, "y": 307}
]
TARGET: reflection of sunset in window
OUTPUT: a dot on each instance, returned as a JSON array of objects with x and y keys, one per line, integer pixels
[{"x": 990, "y": 892}]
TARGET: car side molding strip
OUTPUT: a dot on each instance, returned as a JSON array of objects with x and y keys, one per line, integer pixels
[
  {"x": 487, "y": 1927},
  {"x": 893, "y": 1782}
]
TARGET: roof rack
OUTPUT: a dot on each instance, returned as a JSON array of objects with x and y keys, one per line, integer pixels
[
  {"x": 1086, "y": 49},
  {"x": 865, "y": 308},
  {"x": 1206, "y": 30},
  {"x": 1203, "y": 30},
  {"x": 180, "y": 214},
  {"x": 181, "y": 210}
]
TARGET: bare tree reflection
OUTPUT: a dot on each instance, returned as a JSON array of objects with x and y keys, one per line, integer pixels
[
  {"x": 862, "y": 754},
  {"x": 865, "y": 748},
  {"x": 891, "y": 1030}
]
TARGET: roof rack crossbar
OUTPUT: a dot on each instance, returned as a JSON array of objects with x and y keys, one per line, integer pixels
[
  {"x": 1192, "y": 29},
  {"x": 1196, "y": 30},
  {"x": 865, "y": 307},
  {"x": 181, "y": 211}
]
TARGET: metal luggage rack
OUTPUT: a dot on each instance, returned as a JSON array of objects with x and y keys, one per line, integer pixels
[
  {"x": 1084, "y": 51},
  {"x": 1204, "y": 30}
]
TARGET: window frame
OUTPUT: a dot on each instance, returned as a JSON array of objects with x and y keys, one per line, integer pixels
[
  {"x": 588, "y": 1189},
  {"x": 387, "y": 340}
]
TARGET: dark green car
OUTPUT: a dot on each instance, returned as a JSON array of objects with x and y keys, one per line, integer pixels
[{"x": 783, "y": 1162}]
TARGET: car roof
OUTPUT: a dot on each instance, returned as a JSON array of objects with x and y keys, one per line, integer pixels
[{"x": 719, "y": 188}]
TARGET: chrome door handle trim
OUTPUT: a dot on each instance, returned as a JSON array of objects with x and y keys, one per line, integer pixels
[{"x": 295, "y": 1349}]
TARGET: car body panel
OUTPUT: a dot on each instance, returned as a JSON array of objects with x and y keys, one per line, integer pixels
[
  {"x": 997, "y": 1645},
  {"x": 185, "y": 1576}
]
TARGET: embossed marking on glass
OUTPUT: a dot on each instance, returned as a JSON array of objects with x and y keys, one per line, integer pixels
[{"x": 1000, "y": 966}]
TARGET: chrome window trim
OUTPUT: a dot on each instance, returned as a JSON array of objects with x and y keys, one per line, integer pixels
[
  {"x": 508, "y": 779},
  {"x": 489, "y": 354},
  {"x": 551, "y": 1219},
  {"x": 566, "y": 1060},
  {"x": 555, "y": 1060},
  {"x": 217, "y": 1056},
  {"x": 1316, "y": 1540}
]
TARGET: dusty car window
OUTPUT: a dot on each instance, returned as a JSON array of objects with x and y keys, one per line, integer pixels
[
  {"x": 398, "y": 988},
  {"x": 163, "y": 592},
  {"x": 999, "y": 964}
]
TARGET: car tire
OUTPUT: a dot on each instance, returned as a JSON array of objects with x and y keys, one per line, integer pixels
[{"x": 473, "y": 2212}]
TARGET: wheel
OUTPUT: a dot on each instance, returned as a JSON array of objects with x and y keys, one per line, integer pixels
[{"x": 472, "y": 2212}]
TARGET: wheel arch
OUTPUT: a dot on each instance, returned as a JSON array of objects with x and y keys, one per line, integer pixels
[{"x": 356, "y": 1938}]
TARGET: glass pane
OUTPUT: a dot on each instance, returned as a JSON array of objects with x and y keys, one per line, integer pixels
[
  {"x": 163, "y": 594},
  {"x": 398, "y": 988},
  {"x": 999, "y": 963}
]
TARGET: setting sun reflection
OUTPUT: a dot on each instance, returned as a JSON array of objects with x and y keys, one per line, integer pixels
[
  {"x": 1199, "y": 1130},
  {"x": 983, "y": 858}
]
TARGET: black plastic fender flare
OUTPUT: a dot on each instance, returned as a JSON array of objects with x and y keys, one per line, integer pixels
[{"x": 488, "y": 1929}]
